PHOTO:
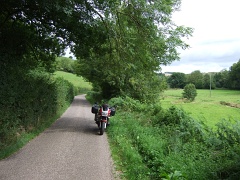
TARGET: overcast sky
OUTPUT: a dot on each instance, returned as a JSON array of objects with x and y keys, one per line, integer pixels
[{"x": 215, "y": 44}]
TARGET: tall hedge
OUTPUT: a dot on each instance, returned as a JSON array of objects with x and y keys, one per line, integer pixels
[{"x": 27, "y": 100}]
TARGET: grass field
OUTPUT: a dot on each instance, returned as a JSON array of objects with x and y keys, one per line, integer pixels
[
  {"x": 206, "y": 106},
  {"x": 77, "y": 81}
]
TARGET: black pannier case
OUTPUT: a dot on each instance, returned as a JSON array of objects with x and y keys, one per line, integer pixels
[
  {"x": 113, "y": 111},
  {"x": 95, "y": 108}
]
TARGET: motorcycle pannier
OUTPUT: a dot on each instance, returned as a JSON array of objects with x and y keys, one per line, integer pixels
[
  {"x": 95, "y": 108},
  {"x": 113, "y": 111}
]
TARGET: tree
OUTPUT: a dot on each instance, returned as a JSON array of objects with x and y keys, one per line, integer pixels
[
  {"x": 206, "y": 81},
  {"x": 177, "y": 80},
  {"x": 234, "y": 75},
  {"x": 33, "y": 32},
  {"x": 114, "y": 41},
  {"x": 222, "y": 79},
  {"x": 141, "y": 39},
  {"x": 196, "y": 78},
  {"x": 190, "y": 92},
  {"x": 65, "y": 64}
]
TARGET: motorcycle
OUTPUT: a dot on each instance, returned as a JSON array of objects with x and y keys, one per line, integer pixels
[{"x": 102, "y": 116}]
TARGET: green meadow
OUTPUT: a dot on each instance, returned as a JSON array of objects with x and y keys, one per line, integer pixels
[
  {"x": 208, "y": 106},
  {"x": 78, "y": 82}
]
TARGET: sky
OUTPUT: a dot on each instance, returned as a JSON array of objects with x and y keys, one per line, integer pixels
[{"x": 215, "y": 44}]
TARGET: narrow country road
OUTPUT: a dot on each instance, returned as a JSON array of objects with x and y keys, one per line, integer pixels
[{"x": 70, "y": 149}]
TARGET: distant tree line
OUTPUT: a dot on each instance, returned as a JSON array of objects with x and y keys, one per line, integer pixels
[{"x": 229, "y": 79}]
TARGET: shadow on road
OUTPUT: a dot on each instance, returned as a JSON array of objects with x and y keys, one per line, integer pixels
[{"x": 75, "y": 124}]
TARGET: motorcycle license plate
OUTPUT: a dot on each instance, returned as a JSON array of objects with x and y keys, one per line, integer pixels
[{"x": 104, "y": 113}]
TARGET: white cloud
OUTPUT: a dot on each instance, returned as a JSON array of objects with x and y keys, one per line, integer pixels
[{"x": 216, "y": 38}]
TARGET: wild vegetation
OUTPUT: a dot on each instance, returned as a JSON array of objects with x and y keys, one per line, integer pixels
[{"x": 149, "y": 142}]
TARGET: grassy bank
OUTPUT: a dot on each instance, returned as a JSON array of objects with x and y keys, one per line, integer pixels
[
  {"x": 208, "y": 106},
  {"x": 151, "y": 142},
  {"x": 79, "y": 83}
]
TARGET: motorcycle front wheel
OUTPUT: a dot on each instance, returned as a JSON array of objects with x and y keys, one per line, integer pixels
[{"x": 102, "y": 127}]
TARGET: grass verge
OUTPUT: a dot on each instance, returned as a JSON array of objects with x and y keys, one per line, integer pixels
[
  {"x": 150, "y": 142},
  {"x": 24, "y": 138}
]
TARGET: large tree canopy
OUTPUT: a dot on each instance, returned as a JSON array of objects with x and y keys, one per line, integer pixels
[
  {"x": 177, "y": 80},
  {"x": 196, "y": 78},
  {"x": 37, "y": 30},
  {"x": 140, "y": 38},
  {"x": 120, "y": 45}
]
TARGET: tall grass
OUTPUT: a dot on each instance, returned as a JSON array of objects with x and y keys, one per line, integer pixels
[{"x": 151, "y": 142}]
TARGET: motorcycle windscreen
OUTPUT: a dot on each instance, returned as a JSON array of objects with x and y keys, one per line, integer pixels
[{"x": 105, "y": 107}]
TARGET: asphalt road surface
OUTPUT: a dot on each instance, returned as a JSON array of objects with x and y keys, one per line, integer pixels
[{"x": 70, "y": 149}]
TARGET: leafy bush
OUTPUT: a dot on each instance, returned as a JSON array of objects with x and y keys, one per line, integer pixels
[
  {"x": 28, "y": 100},
  {"x": 152, "y": 143},
  {"x": 190, "y": 92}
]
